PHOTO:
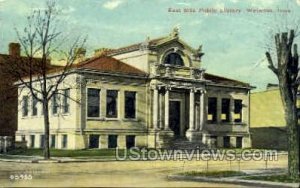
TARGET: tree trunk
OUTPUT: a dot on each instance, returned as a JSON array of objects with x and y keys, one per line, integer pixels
[
  {"x": 289, "y": 99},
  {"x": 46, "y": 127}
]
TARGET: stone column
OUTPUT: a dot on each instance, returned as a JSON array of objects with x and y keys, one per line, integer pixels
[
  {"x": 202, "y": 108},
  {"x": 167, "y": 110},
  {"x": 161, "y": 114},
  {"x": 155, "y": 108},
  {"x": 192, "y": 110}
]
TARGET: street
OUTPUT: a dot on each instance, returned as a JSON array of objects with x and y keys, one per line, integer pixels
[{"x": 119, "y": 173}]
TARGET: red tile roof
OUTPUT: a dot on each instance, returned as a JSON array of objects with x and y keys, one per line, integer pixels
[{"x": 110, "y": 64}]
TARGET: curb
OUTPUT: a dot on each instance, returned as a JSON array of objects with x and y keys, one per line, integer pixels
[{"x": 234, "y": 181}]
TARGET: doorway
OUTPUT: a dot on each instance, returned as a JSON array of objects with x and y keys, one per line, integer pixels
[{"x": 174, "y": 117}]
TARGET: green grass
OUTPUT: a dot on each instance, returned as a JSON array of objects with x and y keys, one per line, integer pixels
[
  {"x": 68, "y": 153},
  {"x": 214, "y": 174},
  {"x": 274, "y": 178}
]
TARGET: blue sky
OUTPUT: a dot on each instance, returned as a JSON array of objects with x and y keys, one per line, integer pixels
[{"x": 233, "y": 43}]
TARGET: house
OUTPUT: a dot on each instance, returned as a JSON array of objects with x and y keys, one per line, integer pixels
[
  {"x": 148, "y": 94},
  {"x": 8, "y": 93}
]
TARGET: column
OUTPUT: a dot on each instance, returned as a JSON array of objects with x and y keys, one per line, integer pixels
[
  {"x": 192, "y": 110},
  {"x": 155, "y": 108},
  {"x": 167, "y": 110},
  {"x": 161, "y": 112},
  {"x": 202, "y": 108}
]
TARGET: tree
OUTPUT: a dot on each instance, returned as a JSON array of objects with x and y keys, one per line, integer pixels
[
  {"x": 42, "y": 38},
  {"x": 288, "y": 74}
]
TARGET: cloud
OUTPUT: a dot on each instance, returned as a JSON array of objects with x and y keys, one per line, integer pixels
[
  {"x": 68, "y": 10},
  {"x": 183, "y": 3},
  {"x": 112, "y": 4},
  {"x": 298, "y": 2},
  {"x": 264, "y": 3},
  {"x": 234, "y": 1}
]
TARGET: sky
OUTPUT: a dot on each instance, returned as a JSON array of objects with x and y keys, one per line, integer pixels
[{"x": 234, "y": 43}]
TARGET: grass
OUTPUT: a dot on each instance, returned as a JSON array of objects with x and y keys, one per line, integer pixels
[
  {"x": 274, "y": 178},
  {"x": 214, "y": 174},
  {"x": 68, "y": 153}
]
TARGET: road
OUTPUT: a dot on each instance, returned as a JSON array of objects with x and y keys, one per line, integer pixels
[{"x": 119, "y": 173}]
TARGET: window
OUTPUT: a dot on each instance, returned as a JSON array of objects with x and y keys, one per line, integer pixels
[
  {"x": 130, "y": 107},
  {"x": 34, "y": 106},
  {"x": 239, "y": 142},
  {"x": 64, "y": 141},
  {"x": 93, "y": 102},
  {"x": 225, "y": 110},
  {"x": 226, "y": 140},
  {"x": 23, "y": 138},
  {"x": 112, "y": 104},
  {"x": 53, "y": 141},
  {"x": 112, "y": 141},
  {"x": 55, "y": 104},
  {"x": 238, "y": 106},
  {"x": 25, "y": 106},
  {"x": 212, "y": 110},
  {"x": 94, "y": 141},
  {"x": 32, "y": 141},
  {"x": 42, "y": 141},
  {"x": 173, "y": 59},
  {"x": 214, "y": 141},
  {"x": 66, "y": 96},
  {"x": 130, "y": 141}
]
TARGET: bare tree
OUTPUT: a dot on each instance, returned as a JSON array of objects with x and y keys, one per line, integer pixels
[
  {"x": 287, "y": 71},
  {"x": 42, "y": 38}
]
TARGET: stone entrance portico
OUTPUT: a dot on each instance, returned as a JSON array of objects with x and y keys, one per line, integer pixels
[{"x": 192, "y": 109}]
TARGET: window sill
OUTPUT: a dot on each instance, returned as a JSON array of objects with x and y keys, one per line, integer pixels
[
  {"x": 130, "y": 119},
  {"x": 95, "y": 119},
  {"x": 111, "y": 119}
]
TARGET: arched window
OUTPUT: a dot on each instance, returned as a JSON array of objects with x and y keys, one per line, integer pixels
[{"x": 173, "y": 59}]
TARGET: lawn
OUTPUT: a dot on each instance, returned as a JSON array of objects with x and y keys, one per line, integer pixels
[
  {"x": 68, "y": 153},
  {"x": 274, "y": 178},
  {"x": 213, "y": 174}
]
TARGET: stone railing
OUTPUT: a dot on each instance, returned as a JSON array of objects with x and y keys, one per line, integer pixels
[{"x": 165, "y": 70}]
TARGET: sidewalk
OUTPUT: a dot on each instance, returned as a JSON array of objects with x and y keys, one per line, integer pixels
[{"x": 239, "y": 179}]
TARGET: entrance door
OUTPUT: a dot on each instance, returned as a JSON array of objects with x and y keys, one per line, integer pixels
[{"x": 174, "y": 117}]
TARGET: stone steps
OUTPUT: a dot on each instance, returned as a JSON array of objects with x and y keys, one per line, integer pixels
[{"x": 184, "y": 144}]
